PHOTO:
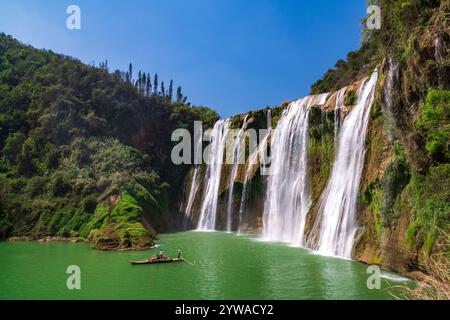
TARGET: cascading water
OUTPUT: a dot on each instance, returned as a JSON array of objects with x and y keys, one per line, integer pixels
[
  {"x": 338, "y": 202},
  {"x": 288, "y": 196},
  {"x": 238, "y": 156},
  {"x": 207, "y": 221},
  {"x": 438, "y": 50},
  {"x": 391, "y": 79}
]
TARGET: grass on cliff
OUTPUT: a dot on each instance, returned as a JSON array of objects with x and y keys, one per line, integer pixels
[
  {"x": 435, "y": 283},
  {"x": 428, "y": 195}
]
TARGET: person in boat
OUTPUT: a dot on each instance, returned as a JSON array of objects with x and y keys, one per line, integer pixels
[
  {"x": 161, "y": 254},
  {"x": 179, "y": 254}
]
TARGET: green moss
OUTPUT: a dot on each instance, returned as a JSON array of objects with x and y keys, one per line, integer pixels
[
  {"x": 96, "y": 221},
  {"x": 320, "y": 148},
  {"x": 126, "y": 210},
  {"x": 411, "y": 234},
  {"x": 410, "y": 47},
  {"x": 124, "y": 218},
  {"x": 373, "y": 199},
  {"x": 430, "y": 239}
]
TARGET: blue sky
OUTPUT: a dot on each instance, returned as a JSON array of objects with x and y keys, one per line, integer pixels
[{"x": 231, "y": 55}]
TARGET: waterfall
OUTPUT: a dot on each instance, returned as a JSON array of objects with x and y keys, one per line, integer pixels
[
  {"x": 196, "y": 179},
  {"x": 438, "y": 55},
  {"x": 391, "y": 79},
  {"x": 288, "y": 196},
  {"x": 207, "y": 221},
  {"x": 244, "y": 197},
  {"x": 237, "y": 157},
  {"x": 338, "y": 202}
]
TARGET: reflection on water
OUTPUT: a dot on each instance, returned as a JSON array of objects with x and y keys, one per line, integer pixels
[{"x": 226, "y": 267}]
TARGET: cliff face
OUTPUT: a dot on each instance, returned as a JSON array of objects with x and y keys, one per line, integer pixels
[{"x": 402, "y": 206}]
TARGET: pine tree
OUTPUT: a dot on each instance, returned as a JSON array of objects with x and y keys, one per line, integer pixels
[
  {"x": 144, "y": 83},
  {"x": 130, "y": 72},
  {"x": 155, "y": 85},
  {"x": 139, "y": 81},
  {"x": 163, "y": 89},
  {"x": 148, "y": 86},
  {"x": 171, "y": 90},
  {"x": 179, "y": 95}
]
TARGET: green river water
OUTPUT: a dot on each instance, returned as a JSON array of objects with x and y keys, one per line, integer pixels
[{"x": 227, "y": 266}]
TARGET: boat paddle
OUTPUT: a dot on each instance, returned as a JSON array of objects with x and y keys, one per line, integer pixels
[{"x": 192, "y": 264}]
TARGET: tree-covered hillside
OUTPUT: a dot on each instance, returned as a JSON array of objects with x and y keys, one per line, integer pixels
[{"x": 85, "y": 152}]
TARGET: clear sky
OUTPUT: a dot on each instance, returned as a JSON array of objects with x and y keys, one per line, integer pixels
[{"x": 231, "y": 55}]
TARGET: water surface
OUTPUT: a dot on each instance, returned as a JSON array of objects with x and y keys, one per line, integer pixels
[{"x": 227, "y": 266}]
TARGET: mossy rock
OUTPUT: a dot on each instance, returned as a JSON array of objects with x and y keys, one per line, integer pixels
[{"x": 117, "y": 225}]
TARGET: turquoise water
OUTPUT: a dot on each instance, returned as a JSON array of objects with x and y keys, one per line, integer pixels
[{"x": 227, "y": 266}]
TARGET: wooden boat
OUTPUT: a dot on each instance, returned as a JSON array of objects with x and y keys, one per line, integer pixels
[{"x": 147, "y": 261}]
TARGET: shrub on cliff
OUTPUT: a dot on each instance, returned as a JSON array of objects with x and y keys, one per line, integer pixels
[{"x": 434, "y": 123}]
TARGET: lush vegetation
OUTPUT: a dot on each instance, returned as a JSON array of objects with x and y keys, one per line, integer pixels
[
  {"x": 402, "y": 22},
  {"x": 434, "y": 122},
  {"x": 72, "y": 136}
]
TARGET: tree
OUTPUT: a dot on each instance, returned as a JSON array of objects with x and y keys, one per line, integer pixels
[
  {"x": 171, "y": 90},
  {"x": 148, "y": 86},
  {"x": 163, "y": 89},
  {"x": 155, "y": 85},
  {"x": 144, "y": 83},
  {"x": 13, "y": 146},
  {"x": 179, "y": 95},
  {"x": 138, "y": 81},
  {"x": 130, "y": 72}
]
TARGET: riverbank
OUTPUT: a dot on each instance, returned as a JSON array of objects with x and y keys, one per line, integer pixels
[{"x": 58, "y": 239}]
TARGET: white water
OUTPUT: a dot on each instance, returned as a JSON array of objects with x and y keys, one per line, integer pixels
[
  {"x": 438, "y": 54},
  {"x": 288, "y": 196},
  {"x": 207, "y": 221},
  {"x": 391, "y": 79},
  {"x": 237, "y": 156},
  {"x": 338, "y": 202}
]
